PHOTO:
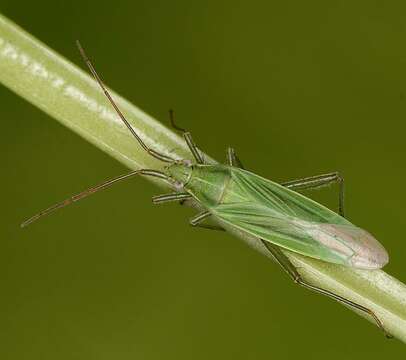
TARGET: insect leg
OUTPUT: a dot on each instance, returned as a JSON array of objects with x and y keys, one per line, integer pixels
[
  {"x": 170, "y": 197},
  {"x": 193, "y": 148},
  {"x": 233, "y": 159},
  {"x": 314, "y": 182},
  {"x": 199, "y": 218},
  {"x": 287, "y": 265},
  {"x": 188, "y": 138}
]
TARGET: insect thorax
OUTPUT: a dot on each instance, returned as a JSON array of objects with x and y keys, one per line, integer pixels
[
  {"x": 208, "y": 183},
  {"x": 179, "y": 173}
]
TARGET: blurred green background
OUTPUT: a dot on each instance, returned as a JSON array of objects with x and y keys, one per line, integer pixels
[{"x": 298, "y": 88}]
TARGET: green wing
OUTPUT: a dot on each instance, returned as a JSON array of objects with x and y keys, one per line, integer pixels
[
  {"x": 279, "y": 215},
  {"x": 280, "y": 199}
]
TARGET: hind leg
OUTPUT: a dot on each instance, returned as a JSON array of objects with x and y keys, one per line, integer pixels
[
  {"x": 287, "y": 265},
  {"x": 315, "y": 182}
]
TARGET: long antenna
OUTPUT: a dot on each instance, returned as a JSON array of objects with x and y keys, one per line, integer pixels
[
  {"x": 150, "y": 151},
  {"x": 91, "y": 191}
]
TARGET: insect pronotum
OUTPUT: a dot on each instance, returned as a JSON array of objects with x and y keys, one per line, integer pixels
[{"x": 274, "y": 213}]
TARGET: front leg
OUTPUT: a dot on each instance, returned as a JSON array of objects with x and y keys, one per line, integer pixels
[
  {"x": 199, "y": 218},
  {"x": 158, "y": 199},
  {"x": 188, "y": 138}
]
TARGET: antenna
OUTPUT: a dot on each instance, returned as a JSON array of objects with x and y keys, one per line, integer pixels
[
  {"x": 91, "y": 191},
  {"x": 150, "y": 151}
]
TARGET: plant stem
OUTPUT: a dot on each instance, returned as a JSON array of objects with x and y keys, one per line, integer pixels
[{"x": 72, "y": 97}]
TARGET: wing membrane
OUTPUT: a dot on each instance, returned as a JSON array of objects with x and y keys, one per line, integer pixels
[
  {"x": 283, "y": 217},
  {"x": 285, "y": 232},
  {"x": 282, "y": 200}
]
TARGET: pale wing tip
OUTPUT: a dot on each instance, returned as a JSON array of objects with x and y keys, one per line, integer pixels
[
  {"x": 368, "y": 253},
  {"x": 376, "y": 260}
]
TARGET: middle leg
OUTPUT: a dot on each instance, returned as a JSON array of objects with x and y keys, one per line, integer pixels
[{"x": 233, "y": 159}]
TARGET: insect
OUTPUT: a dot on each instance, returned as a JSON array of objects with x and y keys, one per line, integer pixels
[{"x": 276, "y": 214}]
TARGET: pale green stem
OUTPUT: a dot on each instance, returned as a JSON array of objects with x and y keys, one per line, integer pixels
[{"x": 72, "y": 97}]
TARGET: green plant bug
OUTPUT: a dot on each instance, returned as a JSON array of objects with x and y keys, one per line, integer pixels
[{"x": 274, "y": 213}]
